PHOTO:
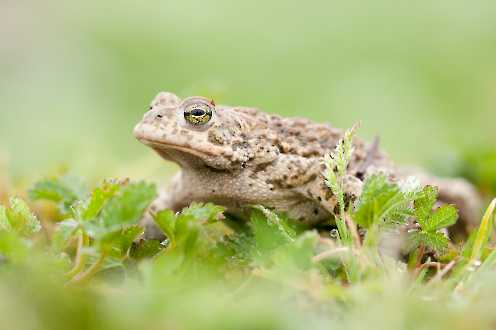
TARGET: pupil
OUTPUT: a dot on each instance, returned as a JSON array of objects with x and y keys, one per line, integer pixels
[{"x": 198, "y": 112}]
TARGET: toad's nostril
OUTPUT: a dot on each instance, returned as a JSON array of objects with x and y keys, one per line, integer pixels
[{"x": 159, "y": 116}]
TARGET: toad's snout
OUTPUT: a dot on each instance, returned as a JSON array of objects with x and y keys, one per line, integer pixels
[
  {"x": 139, "y": 132},
  {"x": 155, "y": 125}
]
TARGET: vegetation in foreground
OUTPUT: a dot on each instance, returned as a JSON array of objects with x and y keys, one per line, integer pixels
[{"x": 81, "y": 263}]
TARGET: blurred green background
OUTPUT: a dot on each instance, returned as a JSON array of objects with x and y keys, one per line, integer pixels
[{"x": 76, "y": 76}]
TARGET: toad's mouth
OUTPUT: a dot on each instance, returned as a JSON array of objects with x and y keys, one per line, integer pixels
[
  {"x": 185, "y": 153},
  {"x": 157, "y": 144},
  {"x": 184, "y": 147},
  {"x": 163, "y": 147},
  {"x": 184, "y": 157}
]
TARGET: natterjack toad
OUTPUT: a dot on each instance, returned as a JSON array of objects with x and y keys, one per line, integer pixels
[{"x": 239, "y": 156}]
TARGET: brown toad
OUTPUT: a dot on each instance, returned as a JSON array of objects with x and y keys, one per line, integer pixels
[{"x": 239, "y": 156}]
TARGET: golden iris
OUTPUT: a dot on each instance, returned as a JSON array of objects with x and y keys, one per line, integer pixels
[{"x": 198, "y": 114}]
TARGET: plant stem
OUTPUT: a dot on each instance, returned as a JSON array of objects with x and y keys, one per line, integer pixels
[
  {"x": 84, "y": 277},
  {"x": 344, "y": 233},
  {"x": 80, "y": 259},
  {"x": 353, "y": 230},
  {"x": 420, "y": 255},
  {"x": 440, "y": 274}
]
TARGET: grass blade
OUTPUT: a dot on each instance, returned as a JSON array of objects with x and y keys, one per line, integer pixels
[{"x": 483, "y": 233}]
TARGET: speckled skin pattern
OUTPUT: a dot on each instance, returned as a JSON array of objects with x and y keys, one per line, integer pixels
[{"x": 244, "y": 157}]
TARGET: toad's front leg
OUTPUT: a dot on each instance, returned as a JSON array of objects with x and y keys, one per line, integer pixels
[{"x": 175, "y": 198}]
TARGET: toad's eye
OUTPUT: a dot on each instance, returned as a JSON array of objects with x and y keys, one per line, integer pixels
[{"x": 198, "y": 114}]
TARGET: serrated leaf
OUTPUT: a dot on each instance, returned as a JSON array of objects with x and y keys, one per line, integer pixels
[
  {"x": 443, "y": 217},
  {"x": 99, "y": 197},
  {"x": 381, "y": 201},
  {"x": 424, "y": 204},
  {"x": 204, "y": 212},
  {"x": 145, "y": 249},
  {"x": 237, "y": 248},
  {"x": 189, "y": 243},
  {"x": 21, "y": 219},
  {"x": 166, "y": 221},
  {"x": 267, "y": 235},
  {"x": 434, "y": 240},
  {"x": 63, "y": 190},
  {"x": 129, "y": 205},
  {"x": 117, "y": 243},
  {"x": 187, "y": 231},
  {"x": 53, "y": 190},
  {"x": 373, "y": 185}
]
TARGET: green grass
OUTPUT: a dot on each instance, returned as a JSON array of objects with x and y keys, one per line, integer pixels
[{"x": 79, "y": 262}]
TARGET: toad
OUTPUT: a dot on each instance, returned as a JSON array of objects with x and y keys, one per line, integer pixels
[{"x": 239, "y": 156}]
